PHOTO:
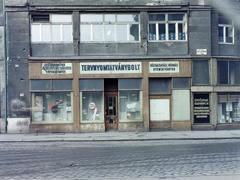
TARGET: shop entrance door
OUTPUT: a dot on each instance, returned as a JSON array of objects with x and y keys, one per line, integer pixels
[{"x": 111, "y": 110}]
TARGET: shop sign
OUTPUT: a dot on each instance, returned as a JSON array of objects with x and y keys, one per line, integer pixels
[
  {"x": 110, "y": 67},
  {"x": 164, "y": 67},
  {"x": 56, "y": 68},
  {"x": 201, "y": 51},
  {"x": 201, "y": 108}
]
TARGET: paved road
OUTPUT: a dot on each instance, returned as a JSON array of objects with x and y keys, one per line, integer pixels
[{"x": 185, "y": 159}]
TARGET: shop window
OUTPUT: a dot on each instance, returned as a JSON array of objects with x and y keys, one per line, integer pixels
[
  {"x": 52, "y": 106},
  {"x": 228, "y": 108},
  {"x": 200, "y": 72},
  {"x": 181, "y": 83},
  {"x": 159, "y": 109},
  {"x": 225, "y": 30},
  {"x": 166, "y": 27},
  {"x": 92, "y": 101},
  {"x": 109, "y": 27},
  {"x": 51, "y": 28},
  {"x": 228, "y": 72},
  {"x": 130, "y": 99},
  {"x": 159, "y": 86}
]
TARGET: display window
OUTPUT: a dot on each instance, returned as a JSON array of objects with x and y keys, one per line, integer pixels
[
  {"x": 129, "y": 105},
  {"x": 55, "y": 105},
  {"x": 91, "y": 99},
  {"x": 228, "y": 108}
]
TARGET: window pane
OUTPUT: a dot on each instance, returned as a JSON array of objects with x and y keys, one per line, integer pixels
[
  {"x": 130, "y": 84},
  {"x": 122, "y": 32},
  {"x": 40, "y": 85},
  {"x": 171, "y": 32},
  {"x": 45, "y": 32},
  {"x": 181, "y": 83},
  {"x": 162, "y": 31},
  {"x": 41, "y": 18},
  {"x": 222, "y": 20},
  {"x": 159, "y": 86},
  {"x": 85, "y": 32},
  {"x": 156, "y": 17},
  {"x": 152, "y": 31},
  {"x": 67, "y": 32},
  {"x": 159, "y": 109},
  {"x": 97, "y": 33},
  {"x": 109, "y": 18},
  {"x": 200, "y": 72},
  {"x": 35, "y": 33},
  {"x": 91, "y": 84},
  {"x": 134, "y": 32},
  {"x": 52, "y": 106},
  {"x": 222, "y": 72},
  {"x": 175, "y": 17},
  {"x": 220, "y": 34},
  {"x": 229, "y": 34},
  {"x": 201, "y": 108},
  {"x": 61, "y": 18},
  {"x": 109, "y": 32},
  {"x": 181, "y": 31},
  {"x": 234, "y": 70},
  {"x": 91, "y": 18},
  {"x": 127, "y": 18},
  {"x": 56, "y": 33},
  {"x": 62, "y": 84},
  {"x": 92, "y": 106},
  {"x": 129, "y": 105}
]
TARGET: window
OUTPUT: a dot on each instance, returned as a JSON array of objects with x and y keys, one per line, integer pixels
[
  {"x": 109, "y": 27},
  {"x": 130, "y": 100},
  {"x": 228, "y": 108},
  {"x": 181, "y": 83},
  {"x": 200, "y": 72},
  {"x": 52, "y": 106},
  {"x": 228, "y": 72},
  {"x": 159, "y": 86},
  {"x": 51, "y": 28},
  {"x": 165, "y": 27},
  {"x": 92, "y": 101},
  {"x": 225, "y": 30}
]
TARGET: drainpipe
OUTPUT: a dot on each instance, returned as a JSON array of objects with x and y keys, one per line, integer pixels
[{"x": 5, "y": 64}]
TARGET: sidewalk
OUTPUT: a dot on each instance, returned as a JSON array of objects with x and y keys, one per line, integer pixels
[{"x": 122, "y": 136}]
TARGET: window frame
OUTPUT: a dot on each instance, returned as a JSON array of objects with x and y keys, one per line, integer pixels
[
  {"x": 167, "y": 22},
  {"x": 50, "y": 23},
  {"x": 115, "y": 23},
  {"x": 224, "y": 26}
]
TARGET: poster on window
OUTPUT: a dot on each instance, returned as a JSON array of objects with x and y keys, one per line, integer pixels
[{"x": 201, "y": 108}]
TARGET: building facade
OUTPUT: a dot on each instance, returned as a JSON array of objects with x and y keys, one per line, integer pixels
[{"x": 94, "y": 66}]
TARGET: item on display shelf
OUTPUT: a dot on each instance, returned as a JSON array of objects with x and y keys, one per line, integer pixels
[
  {"x": 54, "y": 109},
  {"x": 50, "y": 105},
  {"x": 59, "y": 103},
  {"x": 94, "y": 109}
]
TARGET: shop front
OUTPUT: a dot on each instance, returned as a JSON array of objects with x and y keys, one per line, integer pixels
[{"x": 74, "y": 96}]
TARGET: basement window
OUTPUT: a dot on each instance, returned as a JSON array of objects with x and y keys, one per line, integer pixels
[{"x": 51, "y": 28}]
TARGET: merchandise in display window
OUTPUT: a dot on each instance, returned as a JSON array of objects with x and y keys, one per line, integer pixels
[
  {"x": 92, "y": 106},
  {"x": 129, "y": 105},
  {"x": 228, "y": 108},
  {"x": 52, "y": 106}
]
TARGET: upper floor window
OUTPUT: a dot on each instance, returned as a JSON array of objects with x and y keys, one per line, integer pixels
[
  {"x": 228, "y": 72},
  {"x": 225, "y": 30},
  {"x": 109, "y": 27},
  {"x": 167, "y": 27},
  {"x": 51, "y": 28}
]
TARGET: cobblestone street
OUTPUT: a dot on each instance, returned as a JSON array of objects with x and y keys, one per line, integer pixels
[{"x": 119, "y": 160}]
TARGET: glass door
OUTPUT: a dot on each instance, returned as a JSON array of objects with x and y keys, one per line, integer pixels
[{"x": 111, "y": 109}]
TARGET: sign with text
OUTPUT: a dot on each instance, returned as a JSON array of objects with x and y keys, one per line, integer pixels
[
  {"x": 164, "y": 67},
  {"x": 56, "y": 68},
  {"x": 201, "y": 108},
  {"x": 110, "y": 67}
]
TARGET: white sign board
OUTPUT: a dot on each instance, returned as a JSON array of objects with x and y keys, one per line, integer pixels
[
  {"x": 110, "y": 67},
  {"x": 56, "y": 68},
  {"x": 159, "y": 110},
  {"x": 164, "y": 67},
  {"x": 201, "y": 51}
]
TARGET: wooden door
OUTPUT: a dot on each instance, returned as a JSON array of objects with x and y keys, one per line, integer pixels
[{"x": 111, "y": 110}]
